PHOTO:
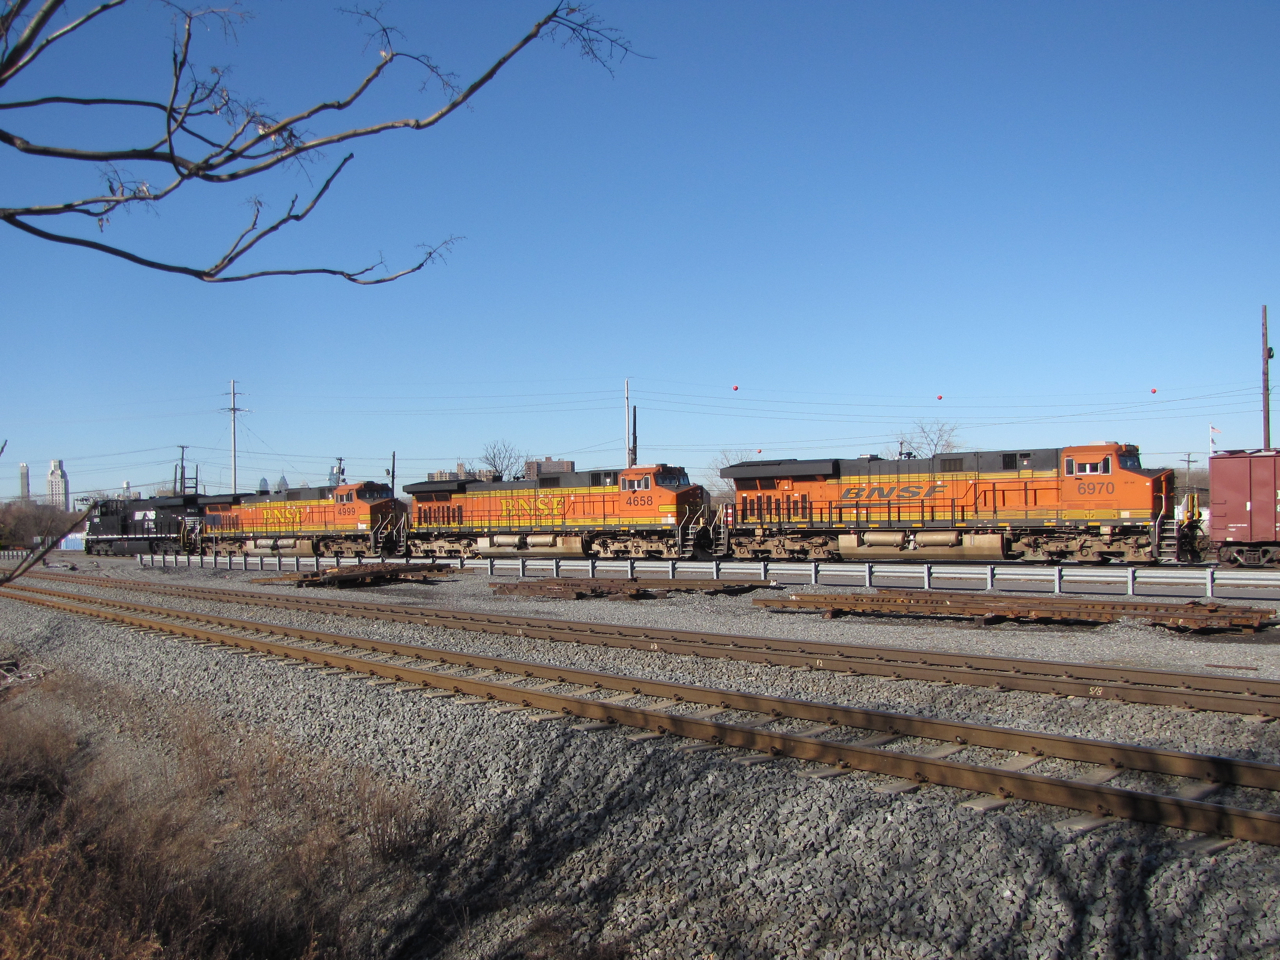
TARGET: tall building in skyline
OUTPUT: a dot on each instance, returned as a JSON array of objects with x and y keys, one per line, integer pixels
[
  {"x": 536, "y": 468},
  {"x": 462, "y": 473},
  {"x": 24, "y": 482},
  {"x": 59, "y": 490}
]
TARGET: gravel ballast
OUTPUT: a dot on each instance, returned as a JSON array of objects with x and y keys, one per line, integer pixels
[{"x": 694, "y": 855}]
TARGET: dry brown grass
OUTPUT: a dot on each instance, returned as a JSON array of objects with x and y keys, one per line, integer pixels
[
  {"x": 197, "y": 845},
  {"x": 133, "y": 829}
]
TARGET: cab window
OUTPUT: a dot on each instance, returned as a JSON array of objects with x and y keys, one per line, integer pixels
[
  {"x": 640, "y": 483},
  {"x": 1130, "y": 462},
  {"x": 1103, "y": 466},
  {"x": 344, "y": 497}
]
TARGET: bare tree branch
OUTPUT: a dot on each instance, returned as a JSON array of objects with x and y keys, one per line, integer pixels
[
  {"x": 722, "y": 490},
  {"x": 252, "y": 142},
  {"x": 18, "y": 59},
  {"x": 928, "y": 438},
  {"x": 505, "y": 459},
  {"x": 355, "y": 276}
]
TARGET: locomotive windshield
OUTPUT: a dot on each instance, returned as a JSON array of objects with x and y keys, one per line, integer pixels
[
  {"x": 373, "y": 491},
  {"x": 673, "y": 479},
  {"x": 1130, "y": 462}
]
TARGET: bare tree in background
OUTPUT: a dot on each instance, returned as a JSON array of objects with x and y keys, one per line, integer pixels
[
  {"x": 206, "y": 132},
  {"x": 503, "y": 458},
  {"x": 23, "y": 521},
  {"x": 928, "y": 438},
  {"x": 722, "y": 490}
]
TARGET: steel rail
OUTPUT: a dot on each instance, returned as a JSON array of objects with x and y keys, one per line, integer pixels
[
  {"x": 1150, "y": 686},
  {"x": 1100, "y": 799}
]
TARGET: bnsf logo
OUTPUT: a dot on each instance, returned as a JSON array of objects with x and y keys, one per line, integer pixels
[
  {"x": 911, "y": 492},
  {"x": 532, "y": 506},
  {"x": 283, "y": 515}
]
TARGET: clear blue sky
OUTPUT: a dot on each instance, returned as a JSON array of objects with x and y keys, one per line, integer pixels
[{"x": 1039, "y": 211}]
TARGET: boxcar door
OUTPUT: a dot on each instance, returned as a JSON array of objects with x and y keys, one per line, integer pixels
[{"x": 1262, "y": 498}]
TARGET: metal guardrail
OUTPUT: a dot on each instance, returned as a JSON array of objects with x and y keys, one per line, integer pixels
[{"x": 1204, "y": 580}]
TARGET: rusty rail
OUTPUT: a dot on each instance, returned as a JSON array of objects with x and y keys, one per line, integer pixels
[
  {"x": 987, "y": 609},
  {"x": 1197, "y": 691}
]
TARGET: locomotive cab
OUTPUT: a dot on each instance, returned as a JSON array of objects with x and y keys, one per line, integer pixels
[
  {"x": 372, "y": 507},
  {"x": 1106, "y": 480},
  {"x": 658, "y": 493}
]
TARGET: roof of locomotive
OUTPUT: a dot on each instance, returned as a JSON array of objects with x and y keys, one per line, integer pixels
[
  {"x": 546, "y": 481},
  {"x": 872, "y": 465},
  {"x": 302, "y": 493}
]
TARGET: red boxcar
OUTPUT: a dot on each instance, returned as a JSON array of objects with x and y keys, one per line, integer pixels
[{"x": 1245, "y": 506}]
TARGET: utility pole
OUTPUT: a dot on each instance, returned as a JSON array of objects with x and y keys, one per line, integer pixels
[
  {"x": 634, "y": 444},
  {"x": 182, "y": 459},
  {"x": 1267, "y": 354},
  {"x": 626, "y": 422},
  {"x": 1189, "y": 461},
  {"x": 233, "y": 410}
]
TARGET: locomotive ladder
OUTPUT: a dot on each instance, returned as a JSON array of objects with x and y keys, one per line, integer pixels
[
  {"x": 687, "y": 534},
  {"x": 1165, "y": 537}
]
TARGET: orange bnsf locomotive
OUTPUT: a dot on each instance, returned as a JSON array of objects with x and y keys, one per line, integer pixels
[
  {"x": 352, "y": 519},
  {"x": 1089, "y": 503},
  {"x": 643, "y": 511}
]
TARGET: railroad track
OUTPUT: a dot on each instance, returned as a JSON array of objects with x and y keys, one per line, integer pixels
[
  {"x": 1194, "y": 691},
  {"x": 925, "y": 750}
]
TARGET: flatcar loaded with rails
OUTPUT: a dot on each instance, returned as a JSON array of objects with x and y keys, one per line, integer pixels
[{"x": 1089, "y": 503}]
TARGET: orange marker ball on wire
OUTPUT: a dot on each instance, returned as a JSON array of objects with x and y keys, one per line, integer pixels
[
  {"x": 939, "y": 396},
  {"x": 759, "y": 451},
  {"x": 1153, "y": 389},
  {"x": 735, "y": 386}
]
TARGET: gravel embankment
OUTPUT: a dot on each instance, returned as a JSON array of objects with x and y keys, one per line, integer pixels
[{"x": 694, "y": 855}]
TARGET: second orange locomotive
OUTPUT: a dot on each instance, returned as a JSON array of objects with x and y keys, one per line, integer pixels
[{"x": 643, "y": 511}]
